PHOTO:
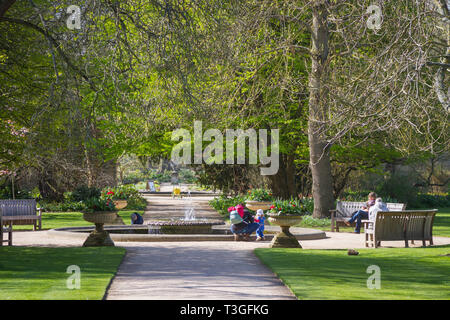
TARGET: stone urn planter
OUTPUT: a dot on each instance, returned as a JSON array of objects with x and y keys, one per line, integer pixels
[
  {"x": 285, "y": 239},
  {"x": 99, "y": 237},
  {"x": 120, "y": 204},
  {"x": 255, "y": 205}
]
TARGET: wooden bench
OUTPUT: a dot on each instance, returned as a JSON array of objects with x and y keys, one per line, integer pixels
[
  {"x": 408, "y": 225},
  {"x": 21, "y": 212},
  {"x": 345, "y": 209},
  {"x": 7, "y": 230}
]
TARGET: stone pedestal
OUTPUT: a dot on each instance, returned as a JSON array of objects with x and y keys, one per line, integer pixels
[
  {"x": 285, "y": 239},
  {"x": 98, "y": 238}
]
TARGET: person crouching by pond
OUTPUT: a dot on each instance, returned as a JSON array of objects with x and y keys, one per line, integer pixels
[
  {"x": 242, "y": 223},
  {"x": 136, "y": 218}
]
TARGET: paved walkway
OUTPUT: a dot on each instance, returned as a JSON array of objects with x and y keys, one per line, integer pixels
[
  {"x": 195, "y": 271},
  {"x": 199, "y": 270}
]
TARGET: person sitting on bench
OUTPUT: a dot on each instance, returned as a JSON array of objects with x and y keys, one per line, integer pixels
[
  {"x": 378, "y": 206},
  {"x": 363, "y": 213}
]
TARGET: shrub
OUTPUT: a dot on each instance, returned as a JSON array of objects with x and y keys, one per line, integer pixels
[
  {"x": 426, "y": 200},
  {"x": 84, "y": 193},
  {"x": 310, "y": 221},
  {"x": 222, "y": 203},
  {"x": 259, "y": 195},
  {"x": 122, "y": 192},
  {"x": 125, "y": 192},
  {"x": 308, "y": 204},
  {"x": 400, "y": 187},
  {"x": 6, "y": 193},
  {"x": 136, "y": 203},
  {"x": 187, "y": 176},
  {"x": 98, "y": 204},
  {"x": 66, "y": 206},
  {"x": 361, "y": 196},
  {"x": 288, "y": 207}
]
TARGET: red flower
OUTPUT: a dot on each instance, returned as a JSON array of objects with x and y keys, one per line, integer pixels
[
  {"x": 110, "y": 192},
  {"x": 272, "y": 207},
  {"x": 293, "y": 205}
]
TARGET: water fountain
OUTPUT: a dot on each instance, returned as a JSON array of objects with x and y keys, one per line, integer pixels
[
  {"x": 185, "y": 220},
  {"x": 187, "y": 225}
]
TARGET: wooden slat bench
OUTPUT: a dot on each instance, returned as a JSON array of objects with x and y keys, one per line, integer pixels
[
  {"x": 345, "y": 209},
  {"x": 408, "y": 225},
  {"x": 21, "y": 212},
  {"x": 5, "y": 230}
]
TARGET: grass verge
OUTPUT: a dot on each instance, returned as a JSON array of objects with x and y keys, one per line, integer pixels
[
  {"x": 53, "y": 220},
  {"x": 405, "y": 273},
  {"x": 36, "y": 273}
]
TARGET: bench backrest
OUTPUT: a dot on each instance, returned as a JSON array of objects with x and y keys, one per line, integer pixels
[
  {"x": 347, "y": 208},
  {"x": 402, "y": 225},
  {"x": 22, "y": 207}
]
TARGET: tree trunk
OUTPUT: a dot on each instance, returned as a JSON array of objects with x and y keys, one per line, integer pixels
[
  {"x": 282, "y": 183},
  {"x": 48, "y": 186},
  {"x": 322, "y": 188}
]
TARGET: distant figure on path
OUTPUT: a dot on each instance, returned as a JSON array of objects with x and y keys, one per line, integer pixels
[{"x": 136, "y": 218}]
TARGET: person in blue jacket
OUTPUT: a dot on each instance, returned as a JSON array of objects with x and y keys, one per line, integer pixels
[{"x": 260, "y": 219}]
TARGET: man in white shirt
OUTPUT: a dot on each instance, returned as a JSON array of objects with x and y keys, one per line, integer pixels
[{"x": 378, "y": 206}]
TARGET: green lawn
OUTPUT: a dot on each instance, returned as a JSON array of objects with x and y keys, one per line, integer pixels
[
  {"x": 441, "y": 227},
  {"x": 36, "y": 273},
  {"x": 52, "y": 220},
  {"x": 406, "y": 273}
]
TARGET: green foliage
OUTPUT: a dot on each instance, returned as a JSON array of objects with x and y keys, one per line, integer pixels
[
  {"x": 152, "y": 174},
  {"x": 308, "y": 204},
  {"x": 6, "y": 193},
  {"x": 222, "y": 203},
  {"x": 125, "y": 192},
  {"x": 309, "y": 221},
  {"x": 122, "y": 192},
  {"x": 136, "y": 202},
  {"x": 288, "y": 207},
  {"x": 361, "y": 196},
  {"x": 66, "y": 206},
  {"x": 98, "y": 205},
  {"x": 187, "y": 176},
  {"x": 426, "y": 200},
  {"x": 259, "y": 195},
  {"x": 83, "y": 193},
  {"x": 400, "y": 187}
]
